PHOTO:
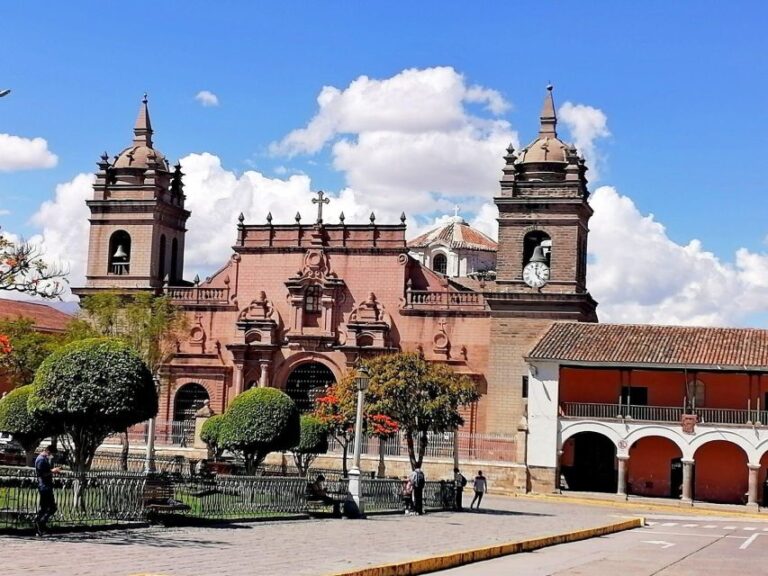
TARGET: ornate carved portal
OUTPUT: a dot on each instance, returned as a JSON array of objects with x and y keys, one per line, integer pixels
[{"x": 313, "y": 294}]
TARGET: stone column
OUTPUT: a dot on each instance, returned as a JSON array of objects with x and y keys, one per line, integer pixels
[
  {"x": 264, "y": 374},
  {"x": 621, "y": 485},
  {"x": 754, "y": 470},
  {"x": 238, "y": 379},
  {"x": 687, "y": 497}
]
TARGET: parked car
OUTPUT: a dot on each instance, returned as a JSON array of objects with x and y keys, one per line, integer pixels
[{"x": 11, "y": 452}]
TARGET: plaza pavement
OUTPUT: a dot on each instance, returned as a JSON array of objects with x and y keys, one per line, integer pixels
[{"x": 300, "y": 547}]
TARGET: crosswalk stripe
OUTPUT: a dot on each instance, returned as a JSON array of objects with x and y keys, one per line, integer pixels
[
  {"x": 750, "y": 528},
  {"x": 690, "y": 525},
  {"x": 710, "y": 526},
  {"x": 765, "y": 529},
  {"x": 729, "y": 527},
  {"x": 669, "y": 524},
  {"x": 654, "y": 524}
]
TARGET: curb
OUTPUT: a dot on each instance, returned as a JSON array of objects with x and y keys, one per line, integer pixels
[
  {"x": 454, "y": 559},
  {"x": 678, "y": 509}
]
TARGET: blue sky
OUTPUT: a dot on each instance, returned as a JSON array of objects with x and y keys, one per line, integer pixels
[{"x": 681, "y": 84}]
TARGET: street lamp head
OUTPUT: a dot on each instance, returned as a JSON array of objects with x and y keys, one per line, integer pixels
[
  {"x": 362, "y": 379},
  {"x": 4, "y": 92}
]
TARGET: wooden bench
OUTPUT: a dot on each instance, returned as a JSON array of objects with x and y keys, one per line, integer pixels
[
  {"x": 157, "y": 497},
  {"x": 318, "y": 504}
]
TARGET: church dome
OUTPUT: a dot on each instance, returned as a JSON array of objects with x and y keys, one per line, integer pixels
[
  {"x": 547, "y": 147},
  {"x": 141, "y": 153}
]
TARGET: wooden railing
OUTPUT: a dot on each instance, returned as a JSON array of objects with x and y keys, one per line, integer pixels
[
  {"x": 663, "y": 413},
  {"x": 196, "y": 295},
  {"x": 421, "y": 299}
]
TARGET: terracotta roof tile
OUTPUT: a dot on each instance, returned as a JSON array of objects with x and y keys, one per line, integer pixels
[
  {"x": 45, "y": 318},
  {"x": 631, "y": 344},
  {"x": 455, "y": 234}
]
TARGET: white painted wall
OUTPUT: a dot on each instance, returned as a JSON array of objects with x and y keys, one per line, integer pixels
[{"x": 543, "y": 401}]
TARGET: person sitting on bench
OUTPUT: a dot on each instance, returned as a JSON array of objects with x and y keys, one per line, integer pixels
[{"x": 318, "y": 492}]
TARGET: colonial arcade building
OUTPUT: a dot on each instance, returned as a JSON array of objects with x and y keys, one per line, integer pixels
[{"x": 295, "y": 305}]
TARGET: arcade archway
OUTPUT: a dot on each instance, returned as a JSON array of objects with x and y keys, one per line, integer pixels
[
  {"x": 588, "y": 463},
  {"x": 655, "y": 468},
  {"x": 721, "y": 473}
]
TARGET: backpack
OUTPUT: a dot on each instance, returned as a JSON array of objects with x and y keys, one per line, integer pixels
[
  {"x": 420, "y": 479},
  {"x": 462, "y": 481}
]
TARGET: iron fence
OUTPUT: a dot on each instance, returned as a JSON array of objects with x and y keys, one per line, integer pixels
[
  {"x": 382, "y": 495},
  {"x": 471, "y": 446},
  {"x": 167, "y": 433}
]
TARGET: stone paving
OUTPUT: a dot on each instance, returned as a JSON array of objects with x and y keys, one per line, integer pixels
[{"x": 301, "y": 547}]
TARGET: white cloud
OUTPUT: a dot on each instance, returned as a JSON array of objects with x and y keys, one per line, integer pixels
[
  {"x": 409, "y": 142},
  {"x": 17, "y": 153},
  {"x": 638, "y": 274},
  {"x": 586, "y": 124},
  {"x": 64, "y": 227},
  {"x": 207, "y": 98}
]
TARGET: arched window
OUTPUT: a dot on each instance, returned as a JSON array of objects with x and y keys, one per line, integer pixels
[
  {"x": 532, "y": 240},
  {"x": 161, "y": 264},
  {"x": 189, "y": 399},
  {"x": 440, "y": 263},
  {"x": 307, "y": 382},
  {"x": 120, "y": 253},
  {"x": 174, "y": 260},
  {"x": 312, "y": 299}
]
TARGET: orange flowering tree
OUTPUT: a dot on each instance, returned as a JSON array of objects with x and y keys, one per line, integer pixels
[
  {"x": 5, "y": 345},
  {"x": 22, "y": 269},
  {"x": 336, "y": 409}
]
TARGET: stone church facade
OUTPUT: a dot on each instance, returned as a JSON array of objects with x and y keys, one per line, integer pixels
[{"x": 295, "y": 305}]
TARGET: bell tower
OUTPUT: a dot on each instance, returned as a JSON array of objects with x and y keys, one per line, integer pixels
[
  {"x": 541, "y": 261},
  {"x": 138, "y": 219}
]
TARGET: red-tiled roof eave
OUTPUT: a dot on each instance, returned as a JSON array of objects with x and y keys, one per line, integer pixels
[
  {"x": 565, "y": 363},
  {"x": 654, "y": 345}
]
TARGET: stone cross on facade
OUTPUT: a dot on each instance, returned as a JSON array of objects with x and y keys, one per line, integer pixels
[{"x": 320, "y": 200}]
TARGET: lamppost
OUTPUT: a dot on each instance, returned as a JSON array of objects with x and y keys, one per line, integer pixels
[
  {"x": 355, "y": 486},
  {"x": 149, "y": 459}
]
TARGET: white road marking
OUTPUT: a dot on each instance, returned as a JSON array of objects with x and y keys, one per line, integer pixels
[
  {"x": 690, "y": 525},
  {"x": 654, "y": 524},
  {"x": 749, "y": 528},
  {"x": 669, "y": 524},
  {"x": 748, "y": 542},
  {"x": 765, "y": 529},
  {"x": 662, "y": 543},
  {"x": 729, "y": 527},
  {"x": 714, "y": 526},
  {"x": 694, "y": 534}
]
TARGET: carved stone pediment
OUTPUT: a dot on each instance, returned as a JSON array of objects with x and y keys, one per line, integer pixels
[
  {"x": 260, "y": 322},
  {"x": 369, "y": 325}
]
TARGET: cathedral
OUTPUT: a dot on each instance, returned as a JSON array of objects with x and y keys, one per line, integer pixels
[{"x": 649, "y": 410}]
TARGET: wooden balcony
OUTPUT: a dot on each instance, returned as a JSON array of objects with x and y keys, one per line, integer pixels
[{"x": 667, "y": 414}]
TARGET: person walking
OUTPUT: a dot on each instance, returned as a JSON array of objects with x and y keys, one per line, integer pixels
[
  {"x": 459, "y": 482},
  {"x": 418, "y": 480},
  {"x": 45, "y": 473},
  {"x": 480, "y": 485}
]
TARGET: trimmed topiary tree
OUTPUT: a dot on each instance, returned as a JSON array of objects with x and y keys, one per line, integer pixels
[
  {"x": 90, "y": 389},
  {"x": 313, "y": 441},
  {"x": 260, "y": 421},
  {"x": 210, "y": 434},
  {"x": 27, "y": 429}
]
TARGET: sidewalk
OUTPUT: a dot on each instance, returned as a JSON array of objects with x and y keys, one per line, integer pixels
[{"x": 303, "y": 547}]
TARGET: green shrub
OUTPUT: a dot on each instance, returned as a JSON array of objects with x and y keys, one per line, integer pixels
[
  {"x": 27, "y": 428},
  {"x": 313, "y": 441},
  {"x": 90, "y": 389},
  {"x": 260, "y": 421}
]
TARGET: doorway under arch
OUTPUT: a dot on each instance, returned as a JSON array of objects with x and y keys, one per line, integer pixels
[
  {"x": 721, "y": 473},
  {"x": 655, "y": 468},
  {"x": 588, "y": 463},
  {"x": 189, "y": 399},
  {"x": 307, "y": 382}
]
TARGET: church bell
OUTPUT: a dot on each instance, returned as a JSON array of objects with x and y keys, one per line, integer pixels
[
  {"x": 120, "y": 253},
  {"x": 538, "y": 255}
]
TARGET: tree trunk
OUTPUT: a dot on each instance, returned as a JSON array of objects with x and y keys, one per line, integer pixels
[
  {"x": 344, "y": 460},
  {"x": 411, "y": 451},
  {"x": 30, "y": 457},
  {"x": 382, "y": 468}
]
